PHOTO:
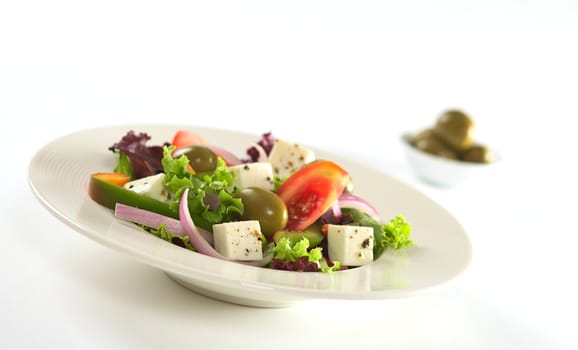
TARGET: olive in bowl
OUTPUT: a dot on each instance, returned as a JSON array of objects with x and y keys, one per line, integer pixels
[{"x": 447, "y": 153}]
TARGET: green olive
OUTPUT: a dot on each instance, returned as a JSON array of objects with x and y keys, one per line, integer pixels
[
  {"x": 423, "y": 134},
  {"x": 201, "y": 158},
  {"x": 266, "y": 207},
  {"x": 455, "y": 128},
  {"x": 477, "y": 154},
  {"x": 428, "y": 142}
]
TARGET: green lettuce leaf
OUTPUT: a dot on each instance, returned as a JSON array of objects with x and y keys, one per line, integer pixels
[
  {"x": 209, "y": 200},
  {"x": 396, "y": 233},
  {"x": 162, "y": 233},
  {"x": 123, "y": 166},
  {"x": 284, "y": 250}
]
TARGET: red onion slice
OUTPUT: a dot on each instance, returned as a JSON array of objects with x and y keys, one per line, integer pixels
[
  {"x": 190, "y": 229},
  {"x": 336, "y": 209},
  {"x": 347, "y": 200},
  {"x": 196, "y": 239},
  {"x": 228, "y": 157},
  {"x": 154, "y": 220}
]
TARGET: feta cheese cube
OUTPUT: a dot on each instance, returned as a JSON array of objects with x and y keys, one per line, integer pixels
[
  {"x": 350, "y": 245},
  {"x": 239, "y": 240},
  {"x": 150, "y": 186},
  {"x": 287, "y": 157},
  {"x": 253, "y": 175}
]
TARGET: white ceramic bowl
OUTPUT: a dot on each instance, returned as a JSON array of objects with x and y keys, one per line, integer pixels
[
  {"x": 439, "y": 171},
  {"x": 59, "y": 175}
]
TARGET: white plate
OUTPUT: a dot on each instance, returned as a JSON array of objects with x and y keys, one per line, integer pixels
[{"x": 59, "y": 175}]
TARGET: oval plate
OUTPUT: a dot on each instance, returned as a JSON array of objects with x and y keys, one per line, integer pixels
[{"x": 59, "y": 175}]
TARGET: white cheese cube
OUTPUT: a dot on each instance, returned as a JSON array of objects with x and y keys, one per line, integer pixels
[
  {"x": 150, "y": 186},
  {"x": 287, "y": 157},
  {"x": 350, "y": 245},
  {"x": 239, "y": 240},
  {"x": 252, "y": 175}
]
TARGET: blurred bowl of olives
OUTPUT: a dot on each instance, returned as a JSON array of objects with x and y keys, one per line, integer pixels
[{"x": 446, "y": 153}]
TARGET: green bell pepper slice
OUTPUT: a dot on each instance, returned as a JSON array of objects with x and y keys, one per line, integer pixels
[{"x": 108, "y": 194}]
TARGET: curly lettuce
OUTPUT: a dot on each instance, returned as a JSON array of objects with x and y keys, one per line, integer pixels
[
  {"x": 162, "y": 233},
  {"x": 136, "y": 158},
  {"x": 298, "y": 257},
  {"x": 124, "y": 165},
  {"x": 209, "y": 201}
]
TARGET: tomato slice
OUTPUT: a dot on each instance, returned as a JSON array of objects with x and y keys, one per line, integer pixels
[
  {"x": 185, "y": 138},
  {"x": 311, "y": 191}
]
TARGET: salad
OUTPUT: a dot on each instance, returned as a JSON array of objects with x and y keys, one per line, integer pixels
[{"x": 276, "y": 207}]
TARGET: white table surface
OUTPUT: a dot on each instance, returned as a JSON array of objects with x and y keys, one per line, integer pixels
[{"x": 348, "y": 77}]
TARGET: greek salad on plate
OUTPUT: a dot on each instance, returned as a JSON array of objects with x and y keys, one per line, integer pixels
[
  {"x": 252, "y": 219},
  {"x": 278, "y": 206}
]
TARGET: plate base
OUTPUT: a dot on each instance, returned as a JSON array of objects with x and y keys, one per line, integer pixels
[{"x": 256, "y": 300}]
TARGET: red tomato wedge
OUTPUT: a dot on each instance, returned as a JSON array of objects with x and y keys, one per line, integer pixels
[
  {"x": 311, "y": 191},
  {"x": 185, "y": 138}
]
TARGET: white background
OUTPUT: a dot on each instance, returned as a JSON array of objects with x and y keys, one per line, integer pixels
[{"x": 347, "y": 76}]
